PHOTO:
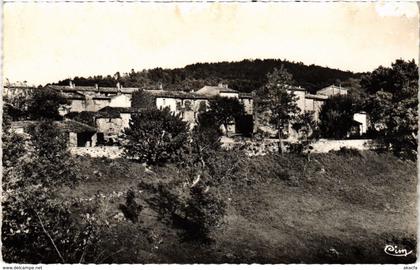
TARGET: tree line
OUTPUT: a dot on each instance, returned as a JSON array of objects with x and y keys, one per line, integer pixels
[{"x": 244, "y": 76}]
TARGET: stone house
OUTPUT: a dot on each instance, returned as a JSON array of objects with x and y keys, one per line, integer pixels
[
  {"x": 190, "y": 104},
  {"x": 93, "y": 98},
  {"x": 12, "y": 91},
  {"x": 111, "y": 121},
  {"x": 79, "y": 134}
]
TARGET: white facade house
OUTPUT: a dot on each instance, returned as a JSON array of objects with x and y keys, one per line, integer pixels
[{"x": 121, "y": 101}]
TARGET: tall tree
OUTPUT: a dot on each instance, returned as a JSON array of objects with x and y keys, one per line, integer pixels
[
  {"x": 141, "y": 99},
  {"x": 155, "y": 136},
  {"x": 336, "y": 117},
  {"x": 225, "y": 110},
  {"x": 392, "y": 106},
  {"x": 279, "y": 103}
]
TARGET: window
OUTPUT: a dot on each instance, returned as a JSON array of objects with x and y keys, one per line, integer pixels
[
  {"x": 178, "y": 105},
  {"x": 188, "y": 105},
  {"x": 202, "y": 107}
]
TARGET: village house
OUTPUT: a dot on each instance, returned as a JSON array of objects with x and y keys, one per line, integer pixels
[
  {"x": 113, "y": 109},
  {"x": 111, "y": 121},
  {"x": 11, "y": 91},
  {"x": 190, "y": 104},
  {"x": 79, "y": 134},
  {"x": 93, "y": 98}
]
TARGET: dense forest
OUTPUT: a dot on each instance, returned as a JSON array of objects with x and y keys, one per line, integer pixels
[{"x": 245, "y": 76}]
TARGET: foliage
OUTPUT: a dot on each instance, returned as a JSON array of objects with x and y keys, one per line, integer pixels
[
  {"x": 189, "y": 201},
  {"x": 282, "y": 105},
  {"x": 131, "y": 209},
  {"x": 275, "y": 105},
  {"x": 400, "y": 79},
  {"x": 307, "y": 130},
  {"x": 37, "y": 225},
  {"x": 244, "y": 76},
  {"x": 392, "y": 106},
  {"x": 195, "y": 209},
  {"x": 336, "y": 117},
  {"x": 206, "y": 134},
  {"x": 45, "y": 104},
  {"x": 85, "y": 117},
  {"x": 141, "y": 99},
  {"x": 17, "y": 107},
  {"x": 155, "y": 136},
  {"x": 225, "y": 110}
]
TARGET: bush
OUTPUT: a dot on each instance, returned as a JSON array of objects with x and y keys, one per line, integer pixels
[
  {"x": 336, "y": 117},
  {"x": 194, "y": 209},
  {"x": 37, "y": 226},
  {"x": 345, "y": 151},
  {"x": 85, "y": 117},
  {"x": 155, "y": 136},
  {"x": 45, "y": 104}
]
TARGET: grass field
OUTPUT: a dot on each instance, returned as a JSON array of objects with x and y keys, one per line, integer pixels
[{"x": 334, "y": 208}]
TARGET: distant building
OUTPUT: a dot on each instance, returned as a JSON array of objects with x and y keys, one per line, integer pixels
[
  {"x": 93, "y": 98},
  {"x": 13, "y": 91},
  {"x": 190, "y": 104},
  {"x": 360, "y": 119},
  {"x": 332, "y": 90}
]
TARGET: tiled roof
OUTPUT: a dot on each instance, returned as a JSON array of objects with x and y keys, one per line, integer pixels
[
  {"x": 214, "y": 90},
  {"x": 175, "y": 94},
  {"x": 114, "y": 112},
  {"x": 65, "y": 125},
  {"x": 331, "y": 88},
  {"x": 100, "y": 89},
  {"x": 311, "y": 96}
]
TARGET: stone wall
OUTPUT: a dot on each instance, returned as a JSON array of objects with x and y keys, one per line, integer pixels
[
  {"x": 324, "y": 146},
  {"x": 265, "y": 146},
  {"x": 99, "y": 151}
]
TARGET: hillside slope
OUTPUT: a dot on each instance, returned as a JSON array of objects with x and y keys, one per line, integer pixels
[{"x": 335, "y": 208}]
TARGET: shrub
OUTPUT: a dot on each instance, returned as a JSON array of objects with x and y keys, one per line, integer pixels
[
  {"x": 85, "y": 117},
  {"x": 45, "y": 104},
  {"x": 37, "y": 226},
  {"x": 195, "y": 209},
  {"x": 336, "y": 117},
  {"x": 345, "y": 151},
  {"x": 155, "y": 136},
  {"x": 131, "y": 209}
]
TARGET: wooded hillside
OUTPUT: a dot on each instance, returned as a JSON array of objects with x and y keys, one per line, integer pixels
[{"x": 245, "y": 76}]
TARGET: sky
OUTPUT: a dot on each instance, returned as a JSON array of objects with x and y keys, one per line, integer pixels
[{"x": 48, "y": 42}]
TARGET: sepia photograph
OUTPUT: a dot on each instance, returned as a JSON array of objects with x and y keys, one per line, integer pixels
[{"x": 209, "y": 133}]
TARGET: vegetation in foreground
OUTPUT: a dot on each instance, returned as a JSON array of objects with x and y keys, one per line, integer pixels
[{"x": 277, "y": 209}]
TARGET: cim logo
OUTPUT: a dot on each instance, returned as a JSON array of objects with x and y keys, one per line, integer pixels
[{"x": 393, "y": 250}]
